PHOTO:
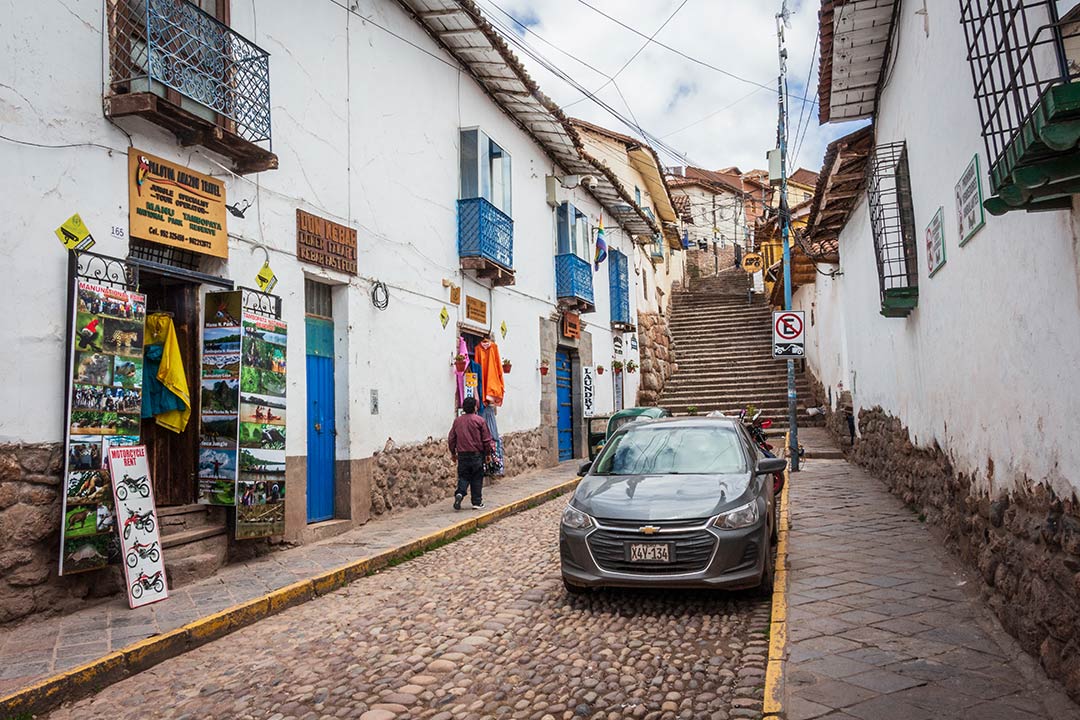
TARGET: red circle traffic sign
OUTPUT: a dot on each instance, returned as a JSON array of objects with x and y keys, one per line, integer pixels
[{"x": 789, "y": 326}]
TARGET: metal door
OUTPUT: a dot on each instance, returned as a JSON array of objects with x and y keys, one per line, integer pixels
[
  {"x": 565, "y": 397},
  {"x": 320, "y": 414}
]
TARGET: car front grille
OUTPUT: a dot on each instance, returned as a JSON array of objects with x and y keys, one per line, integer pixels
[{"x": 693, "y": 550}]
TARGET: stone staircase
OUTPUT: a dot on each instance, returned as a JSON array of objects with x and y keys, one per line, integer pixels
[
  {"x": 723, "y": 348},
  {"x": 194, "y": 541}
]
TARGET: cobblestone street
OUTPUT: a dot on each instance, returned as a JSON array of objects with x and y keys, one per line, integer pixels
[{"x": 476, "y": 629}]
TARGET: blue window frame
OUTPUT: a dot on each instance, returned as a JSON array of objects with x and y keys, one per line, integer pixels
[
  {"x": 619, "y": 287},
  {"x": 485, "y": 170},
  {"x": 573, "y": 234}
]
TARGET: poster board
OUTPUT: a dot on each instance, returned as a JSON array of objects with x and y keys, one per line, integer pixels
[
  {"x": 140, "y": 545},
  {"x": 260, "y": 489},
  {"x": 935, "y": 242},
  {"x": 104, "y": 386},
  {"x": 220, "y": 395}
]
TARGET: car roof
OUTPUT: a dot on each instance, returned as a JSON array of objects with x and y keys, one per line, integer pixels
[
  {"x": 686, "y": 421},
  {"x": 640, "y": 412}
]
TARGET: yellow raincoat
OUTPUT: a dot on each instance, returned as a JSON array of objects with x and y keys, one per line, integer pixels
[{"x": 160, "y": 331}]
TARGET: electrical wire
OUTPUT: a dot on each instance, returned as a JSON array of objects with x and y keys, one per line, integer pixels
[
  {"x": 403, "y": 39},
  {"x": 63, "y": 146},
  {"x": 802, "y": 110},
  {"x": 380, "y": 296}
]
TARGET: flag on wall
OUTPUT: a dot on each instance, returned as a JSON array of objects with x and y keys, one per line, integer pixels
[{"x": 601, "y": 246}]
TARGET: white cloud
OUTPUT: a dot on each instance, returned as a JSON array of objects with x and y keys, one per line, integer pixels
[{"x": 716, "y": 120}]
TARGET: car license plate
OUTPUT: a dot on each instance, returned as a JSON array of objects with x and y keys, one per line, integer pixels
[{"x": 650, "y": 552}]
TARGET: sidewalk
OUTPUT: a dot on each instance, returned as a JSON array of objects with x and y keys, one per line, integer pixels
[
  {"x": 883, "y": 623},
  {"x": 30, "y": 652}
]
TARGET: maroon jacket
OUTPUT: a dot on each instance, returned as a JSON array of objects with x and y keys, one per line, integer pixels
[{"x": 470, "y": 433}]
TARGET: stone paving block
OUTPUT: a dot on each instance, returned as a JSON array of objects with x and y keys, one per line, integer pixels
[
  {"x": 802, "y": 709},
  {"x": 883, "y": 681},
  {"x": 836, "y": 666},
  {"x": 885, "y": 707},
  {"x": 835, "y": 694}
]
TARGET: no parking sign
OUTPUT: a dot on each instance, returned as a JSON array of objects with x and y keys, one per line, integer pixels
[{"x": 789, "y": 334}]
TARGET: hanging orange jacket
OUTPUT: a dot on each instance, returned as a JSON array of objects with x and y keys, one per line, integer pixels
[{"x": 491, "y": 372}]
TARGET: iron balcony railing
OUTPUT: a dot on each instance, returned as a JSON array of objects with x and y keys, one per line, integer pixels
[
  {"x": 485, "y": 231},
  {"x": 158, "y": 44},
  {"x": 573, "y": 278}
]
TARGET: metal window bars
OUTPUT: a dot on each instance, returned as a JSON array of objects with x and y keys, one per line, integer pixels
[
  {"x": 485, "y": 231},
  {"x": 1017, "y": 52},
  {"x": 156, "y": 44},
  {"x": 892, "y": 220},
  {"x": 573, "y": 278}
]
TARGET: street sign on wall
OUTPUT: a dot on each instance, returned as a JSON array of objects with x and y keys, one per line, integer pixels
[
  {"x": 935, "y": 242},
  {"x": 970, "y": 215},
  {"x": 752, "y": 262},
  {"x": 789, "y": 334},
  {"x": 588, "y": 390}
]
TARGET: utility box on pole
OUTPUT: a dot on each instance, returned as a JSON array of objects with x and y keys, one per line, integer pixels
[{"x": 776, "y": 171}]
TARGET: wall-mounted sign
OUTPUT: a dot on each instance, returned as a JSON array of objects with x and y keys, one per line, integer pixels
[
  {"x": 571, "y": 325},
  {"x": 789, "y": 334},
  {"x": 616, "y": 344},
  {"x": 588, "y": 391},
  {"x": 472, "y": 380},
  {"x": 503, "y": 329},
  {"x": 752, "y": 262},
  {"x": 444, "y": 316},
  {"x": 140, "y": 546},
  {"x": 633, "y": 342},
  {"x": 174, "y": 205},
  {"x": 970, "y": 215},
  {"x": 935, "y": 242},
  {"x": 475, "y": 310},
  {"x": 74, "y": 234},
  {"x": 455, "y": 295},
  {"x": 266, "y": 278},
  {"x": 325, "y": 243}
]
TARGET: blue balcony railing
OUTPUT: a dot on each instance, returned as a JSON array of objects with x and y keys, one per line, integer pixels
[
  {"x": 573, "y": 278},
  {"x": 486, "y": 232},
  {"x": 155, "y": 44}
]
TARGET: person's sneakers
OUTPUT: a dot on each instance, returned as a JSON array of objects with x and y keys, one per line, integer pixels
[
  {"x": 479, "y": 506},
  {"x": 458, "y": 497}
]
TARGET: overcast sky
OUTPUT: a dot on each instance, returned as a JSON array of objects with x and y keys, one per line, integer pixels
[{"x": 714, "y": 119}]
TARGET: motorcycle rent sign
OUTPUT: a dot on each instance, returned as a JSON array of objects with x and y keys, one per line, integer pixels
[
  {"x": 588, "y": 391},
  {"x": 789, "y": 334},
  {"x": 140, "y": 546}
]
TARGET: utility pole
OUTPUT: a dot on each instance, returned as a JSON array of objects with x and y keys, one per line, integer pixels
[
  {"x": 785, "y": 230},
  {"x": 715, "y": 256}
]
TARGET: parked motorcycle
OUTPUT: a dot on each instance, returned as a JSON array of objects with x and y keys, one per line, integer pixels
[
  {"x": 757, "y": 427},
  {"x": 140, "y": 521},
  {"x": 140, "y": 485},
  {"x": 138, "y": 550},
  {"x": 147, "y": 582}
]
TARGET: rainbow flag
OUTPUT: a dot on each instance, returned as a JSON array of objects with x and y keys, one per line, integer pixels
[{"x": 601, "y": 246}]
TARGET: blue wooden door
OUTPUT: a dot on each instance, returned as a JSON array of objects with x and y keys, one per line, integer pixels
[
  {"x": 565, "y": 396},
  {"x": 320, "y": 424}
]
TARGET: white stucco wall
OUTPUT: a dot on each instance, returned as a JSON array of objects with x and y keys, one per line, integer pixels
[
  {"x": 986, "y": 365},
  {"x": 366, "y": 129}
]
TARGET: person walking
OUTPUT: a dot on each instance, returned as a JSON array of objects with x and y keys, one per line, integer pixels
[{"x": 470, "y": 441}]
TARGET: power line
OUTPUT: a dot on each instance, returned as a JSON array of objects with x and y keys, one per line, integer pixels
[
  {"x": 683, "y": 55},
  {"x": 712, "y": 114},
  {"x": 802, "y": 110}
]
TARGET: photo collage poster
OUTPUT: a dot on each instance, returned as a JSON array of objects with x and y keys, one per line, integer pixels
[
  {"x": 140, "y": 545},
  {"x": 260, "y": 493},
  {"x": 220, "y": 395},
  {"x": 105, "y": 401}
]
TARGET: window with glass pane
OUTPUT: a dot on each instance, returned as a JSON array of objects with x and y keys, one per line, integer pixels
[
  {"x": 485, "y": 170},
  {"x": 672, "y": 451},
  {"x": 573, "y": 232}
]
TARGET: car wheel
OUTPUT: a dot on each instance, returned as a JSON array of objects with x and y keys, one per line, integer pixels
[
  {"x": 768, "y": 573},
  {"x": 774, "y": 535},
  {"x": 572, "y": 589}
]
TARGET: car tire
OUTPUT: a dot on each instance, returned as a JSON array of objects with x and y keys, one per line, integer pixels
[
  {"x": 768, "y": 573},
  {"x": 774, "y": 534},
  {"x": 572, "y": 589}
]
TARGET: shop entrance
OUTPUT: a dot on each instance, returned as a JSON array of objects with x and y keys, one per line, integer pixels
[
  {"x": 321, "y": 428},
  {"x": 173, "y": 457},
  {"x": 565, "y": 399},
  {"x": 617, "y": 379}
]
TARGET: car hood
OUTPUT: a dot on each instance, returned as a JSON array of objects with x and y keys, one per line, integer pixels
[{"x": 659, "y": 497}]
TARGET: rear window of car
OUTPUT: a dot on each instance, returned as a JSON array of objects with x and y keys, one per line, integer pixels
[{"x": 673, "y": 449}]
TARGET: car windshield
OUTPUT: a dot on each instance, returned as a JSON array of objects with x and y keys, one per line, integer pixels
[
  {"x": 673, "y": 450},
  {"x": 618, "y": 422}
]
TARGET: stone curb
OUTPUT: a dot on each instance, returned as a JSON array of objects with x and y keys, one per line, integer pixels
[
  {"x": 93, "y": 676},
  {"x": 773, "y": 703}
]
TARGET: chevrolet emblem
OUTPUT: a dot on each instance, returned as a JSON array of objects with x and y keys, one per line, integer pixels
[{"x": 648, "y": 530}]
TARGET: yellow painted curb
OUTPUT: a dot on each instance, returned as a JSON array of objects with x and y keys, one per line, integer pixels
[
  {"x": 773, "y": 703},
  {"x": 97, "y": 674}
]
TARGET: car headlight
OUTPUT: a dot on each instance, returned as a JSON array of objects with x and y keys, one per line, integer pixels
[
  {"x": 740, "y": 517},
  {"x": 574, "y": 518}
]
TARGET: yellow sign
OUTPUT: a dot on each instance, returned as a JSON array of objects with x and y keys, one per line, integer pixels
[
  {"x": 471, "y": 380},
  {"x": 502, "y": 328},
  {"x": 444, "y": 316},
  {"x": 752, "y": 262},
  {"x": 74, "y": 234},
  {"x": 172, "y": 205},
  {"x": 266, "y": 278},
  {"x": 475, "y": 310}
]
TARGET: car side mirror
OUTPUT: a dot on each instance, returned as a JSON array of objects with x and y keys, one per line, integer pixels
[
  {"x": 584, "y": 469},
  {"x": 770, "y": 465}
]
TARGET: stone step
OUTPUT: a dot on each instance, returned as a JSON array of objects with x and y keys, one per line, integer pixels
[
  {"x": 178, "y": 518},
  {"x": 725, "y": 389}
]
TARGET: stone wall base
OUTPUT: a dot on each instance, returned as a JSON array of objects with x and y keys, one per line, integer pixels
[
  {"x": 420, "y": 474},
  {"x": 657, "y": 358},
  {"x": 1025, "y": 545}
]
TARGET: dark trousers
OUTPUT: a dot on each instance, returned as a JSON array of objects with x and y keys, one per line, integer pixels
[{"x": 470, "y": 474}]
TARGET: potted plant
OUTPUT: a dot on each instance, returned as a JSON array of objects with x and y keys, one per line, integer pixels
[
  {"x": 691, "y": 409},
  {"x": 544, "y": 367},
  {"x": 507, "y": 365},
  {"x": 616, "y": 366},
  {"x": 631, "y": 366},
  {"x": 599, "y": 369},
  {"x": 461, "y": 362}
]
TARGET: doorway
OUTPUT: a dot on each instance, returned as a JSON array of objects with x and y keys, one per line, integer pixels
[
  {"x": 321, "y": 428},
  {"x": 617, "y": 379},
  {"x": 565, "y": 398}
]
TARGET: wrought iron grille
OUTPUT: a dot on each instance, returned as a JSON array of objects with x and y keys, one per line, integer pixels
[
  {"x": 573, "y": 278},
  {"x": 619, "y": 287},
  {"x": 163, "y": 255},
  {"x": 105, "y": 270},
  {"x": 892, "y": 218},
  {"x": 485, "y": 231},
  {"x": 1017, "y": 52},
  {"x": 178, "y": 45},
  {"x": 260, "y": 303}
]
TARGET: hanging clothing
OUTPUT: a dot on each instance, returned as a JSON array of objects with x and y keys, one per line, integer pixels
[
  {"x": 474, "y": 367},
  {"x": 491, "y": 365},
  {"x": 165, "y": 388},
  {"x": 495, "y": 462},
  {"x": 462, "y": 349}
]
